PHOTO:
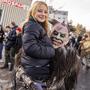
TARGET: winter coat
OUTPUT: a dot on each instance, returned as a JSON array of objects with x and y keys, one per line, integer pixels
[
  {"x": 18, "y": 43},
  {"x": 1, "y": 36},
  {"x": 37, "y": 51},
  {"x": 11, "y": 38}
]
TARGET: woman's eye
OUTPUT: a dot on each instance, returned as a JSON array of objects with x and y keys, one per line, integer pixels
[
  {"x": 62, "y": 35},
  {"x": 40, "y": 11},
  {"x": 46, "y": 12},
  {"x": 55, "y": 33}
]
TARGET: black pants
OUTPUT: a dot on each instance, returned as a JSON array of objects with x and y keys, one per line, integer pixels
[
  {"x": 7, "y": 56},
  {"x": 10, "y": 56}
]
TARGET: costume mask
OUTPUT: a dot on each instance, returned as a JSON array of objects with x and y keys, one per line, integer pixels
[{"x": 59, "y": 35}]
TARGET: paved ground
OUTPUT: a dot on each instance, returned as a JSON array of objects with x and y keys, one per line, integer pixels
[
  {"x": 5, "y": 79},
  {"x": 83, "y": 79}
]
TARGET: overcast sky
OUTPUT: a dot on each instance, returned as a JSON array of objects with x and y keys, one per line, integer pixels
[{"x": 78, "y": 10}]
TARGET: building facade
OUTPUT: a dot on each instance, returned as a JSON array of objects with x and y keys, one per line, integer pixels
[
  {"x": 61, "y": 16},
  {"x": 13, "y": 10}
]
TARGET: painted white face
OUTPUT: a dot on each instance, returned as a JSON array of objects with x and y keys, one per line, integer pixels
[
  {"x": 41, "y": 13},
  {"x": 59, "y": 35}
]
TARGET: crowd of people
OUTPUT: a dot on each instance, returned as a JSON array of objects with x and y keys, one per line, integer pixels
[
  {"x": 35, "y": 47},
  {"x": 9, "y": 40}
]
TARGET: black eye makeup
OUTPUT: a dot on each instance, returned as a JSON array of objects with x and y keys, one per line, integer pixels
[
  {"x": 62, "y": 35},
  {"x": 55, "y": 32}
]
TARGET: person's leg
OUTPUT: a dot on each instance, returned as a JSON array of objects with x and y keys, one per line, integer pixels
[
  {"x": 12, "y": 57},
  {"x": 19, "y": 85},
  {"x": 7, "y": 58},
  {"x": 1, "y": 48},
  {"x": 88, "y": 61}
]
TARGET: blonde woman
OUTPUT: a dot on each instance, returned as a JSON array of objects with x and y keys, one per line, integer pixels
[{"x": 37, "y": 46}]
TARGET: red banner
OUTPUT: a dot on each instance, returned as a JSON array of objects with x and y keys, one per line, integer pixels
[{"x": 14, "y": 3}]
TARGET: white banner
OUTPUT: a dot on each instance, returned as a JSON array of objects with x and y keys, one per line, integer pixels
[{"x": 14, "y": 3}]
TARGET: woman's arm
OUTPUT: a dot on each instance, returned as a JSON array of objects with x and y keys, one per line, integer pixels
[{"x": 32, "y": 46}]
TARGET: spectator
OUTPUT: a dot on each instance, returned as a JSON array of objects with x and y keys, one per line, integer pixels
[
  {"x": 1, "y": 41},
  {"x": 9, "y": 46}
]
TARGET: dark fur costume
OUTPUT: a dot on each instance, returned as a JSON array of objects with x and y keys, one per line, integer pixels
[{"x": 66, "y": 68}]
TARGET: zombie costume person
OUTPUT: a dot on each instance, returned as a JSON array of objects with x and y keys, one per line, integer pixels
[{"x": 66, "y": 62}]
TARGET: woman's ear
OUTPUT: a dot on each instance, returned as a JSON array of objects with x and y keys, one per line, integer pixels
[{"x": 53, "y": 21}]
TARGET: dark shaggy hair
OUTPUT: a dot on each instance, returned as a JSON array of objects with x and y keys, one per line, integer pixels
[
  {"x": 64, "y": 69},
  {"x": 65, "y": 62}
]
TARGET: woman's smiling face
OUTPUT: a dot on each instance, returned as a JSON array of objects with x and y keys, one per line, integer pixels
[{"x": 41, "y": 13}]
